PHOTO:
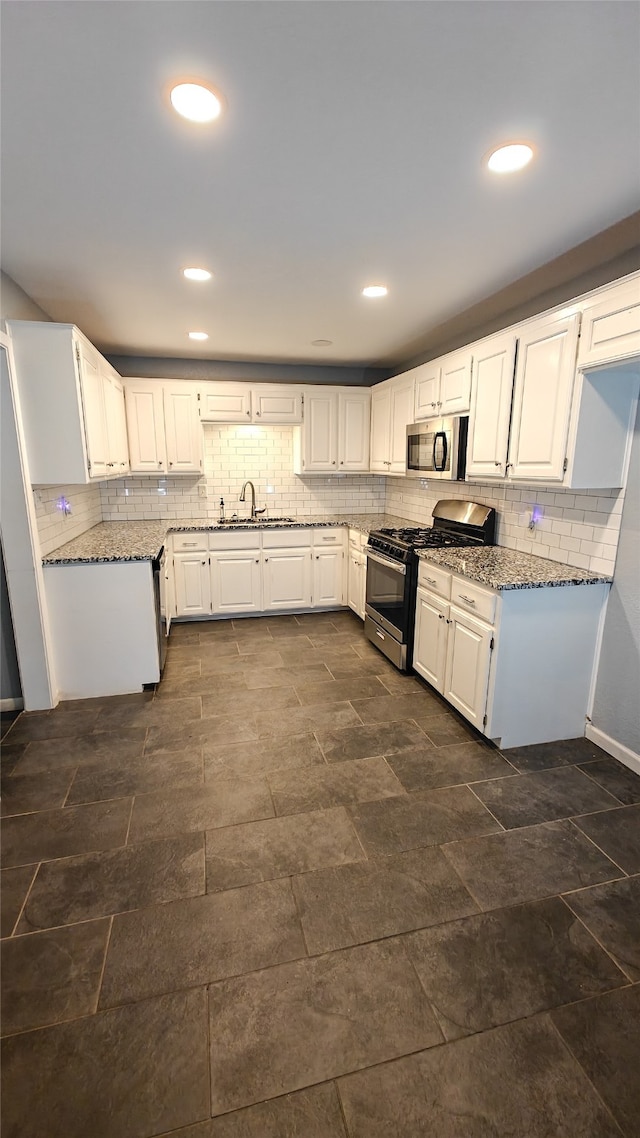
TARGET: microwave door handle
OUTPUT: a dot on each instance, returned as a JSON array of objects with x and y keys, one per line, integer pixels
[{"x": 445, "y": 448}]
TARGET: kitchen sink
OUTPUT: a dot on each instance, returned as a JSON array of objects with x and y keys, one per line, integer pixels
[{"x": 254, "y": 521}]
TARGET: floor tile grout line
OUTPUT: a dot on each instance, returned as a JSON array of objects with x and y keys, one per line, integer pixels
[
  {"x": 576, "y": 1060},
  {"x": 104, "y": 963},
  {"x": 617, "y": 801},
  {"x": 503, "y": 829},
  {"x": 597, "y": 940},
  {"x": 572, "y": 822},
  {"x": 24, "y": 903}
]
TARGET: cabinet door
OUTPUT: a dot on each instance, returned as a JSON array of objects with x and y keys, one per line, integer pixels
[
  {"x": 467, "y": 666},
  {"x": 95, "y": 422},
  {"x": 193, "y": 594},
  {"x": 401, "y": 416},
  {"x": 455, "y": 384},
  {"x": 116, "y": 425},
  {"x": 354, "y": 578},
  {"x": 225, "y": 402},
  {"x": 430, "y": 642},
  {"x": 320, "y": 431},
  {"x": 427, "y": 381},
  {"x": 182, "y": 428},
  {"x": 276, "y": 404},
  {"x": 543, "y": 386},
  {"x": 145, "y": 427},
  {"x": 380, "y": 426},
  {"x": 328, "y": 578},
  {"x": 491, "y": 392},
  {"x": 611, "y": 329},
  {"x": 354, "y": 415},
  {"x": 236, "y": 581},
  {"x": 286, "y": 579}
]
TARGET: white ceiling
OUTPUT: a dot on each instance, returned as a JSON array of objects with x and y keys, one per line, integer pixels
[{"x": 349, "y": 153}]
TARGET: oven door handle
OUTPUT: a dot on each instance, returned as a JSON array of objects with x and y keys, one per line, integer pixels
[{"x": 397, "y": 565}]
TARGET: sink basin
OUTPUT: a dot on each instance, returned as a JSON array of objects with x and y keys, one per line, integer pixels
[{"x": 254, "y": 521}]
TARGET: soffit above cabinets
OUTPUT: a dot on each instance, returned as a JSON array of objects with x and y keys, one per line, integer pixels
[{"x": 349, "y": 152}]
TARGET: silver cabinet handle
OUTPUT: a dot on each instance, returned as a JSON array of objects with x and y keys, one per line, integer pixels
[
  {"x": 430, "y": 581},
  {"x": 467, "y": 600},
  {"x": 380, "y": 634},
  {"x": 190, "y": 544}
]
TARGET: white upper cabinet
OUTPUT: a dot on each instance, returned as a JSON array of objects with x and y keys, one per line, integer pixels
[
  {"x": 276, "y": 403},
  {"x": 443, "y": 387},
  {"x": 380, "y": 419},
  {"x": 145, "y": 426},
  {"x": 334, "y": 437},
  {"x": 163, "y": 425},
  {"x": 490, "y": 412},
  {"x": 182, "y": 428},
  {"x": 226, "y": 402},
  {"x": 71, "y": 405},
  {"x": 116, "y": 421},
  {"x": 427, "y": 390},
  {"x": 354, "y": 415},
  {"x": 391, "y": 412},
  {"x": 543, "y": 386},
  {"x": 611, "y": 329}
]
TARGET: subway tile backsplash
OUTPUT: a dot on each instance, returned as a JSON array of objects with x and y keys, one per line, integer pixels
[
  {"x": 576, "y": 528},
  {"x": 233, "y": 454},
  {"x": 54, "y": 525}
]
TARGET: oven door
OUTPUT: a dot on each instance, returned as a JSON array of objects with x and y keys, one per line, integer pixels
[{"x": 386, "y": 595}]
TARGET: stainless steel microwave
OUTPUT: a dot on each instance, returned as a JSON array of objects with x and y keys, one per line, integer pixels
[{"x": 438, "y": 448}]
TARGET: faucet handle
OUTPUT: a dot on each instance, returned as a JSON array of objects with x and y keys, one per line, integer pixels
[{"x": 262, "y": 511}]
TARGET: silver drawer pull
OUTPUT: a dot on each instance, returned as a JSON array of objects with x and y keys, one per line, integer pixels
[
  {"x": 430, "y": 581},
  {"x": 380, "y": 634},
  {"x": 467, "y": 600},
  {"x": 191, "y": 544}
]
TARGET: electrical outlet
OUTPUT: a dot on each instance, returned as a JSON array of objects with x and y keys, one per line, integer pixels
[{"x": 202, "y": 490}]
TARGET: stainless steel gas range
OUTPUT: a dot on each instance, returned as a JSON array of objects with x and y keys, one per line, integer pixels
[{"x": 392, "y": 570}]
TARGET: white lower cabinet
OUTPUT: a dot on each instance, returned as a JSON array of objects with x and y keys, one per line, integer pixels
[
  {"x": 271, "y": 570},
  {"x": 430, "y": 643},
  {"x": 469, "y": 646},
  {"x": 236, "y": 581},
  {"x": 286, "y": 577},
  {"x": 356, "y": 577},
  {"x": 193, "y": 594},
  {"x": 518, "y": 664}
]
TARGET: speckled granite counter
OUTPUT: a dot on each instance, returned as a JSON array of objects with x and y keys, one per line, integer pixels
[
  {"x": 501, "y": 568},
  {"x": 142, "y": 541}
]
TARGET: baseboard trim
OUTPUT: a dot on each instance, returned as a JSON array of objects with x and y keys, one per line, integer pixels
[
  {"x": 613, "y": 747},
  {"x": 11, "y": 704}
]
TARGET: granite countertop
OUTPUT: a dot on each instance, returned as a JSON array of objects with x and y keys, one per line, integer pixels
[
  {"x": 142, "y": 541},
  {"x": 501, "y": 568}
]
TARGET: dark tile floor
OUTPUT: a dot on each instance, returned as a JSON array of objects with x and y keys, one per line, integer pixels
[{"x": 291, "y": 894}]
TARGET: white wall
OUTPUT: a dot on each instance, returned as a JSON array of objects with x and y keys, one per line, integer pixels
[
  {"x": 615, "y": 710},
  {"x": 54, "y": 525}
]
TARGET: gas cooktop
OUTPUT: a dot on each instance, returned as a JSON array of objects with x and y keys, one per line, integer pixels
[{"x": 416, "y": 538}]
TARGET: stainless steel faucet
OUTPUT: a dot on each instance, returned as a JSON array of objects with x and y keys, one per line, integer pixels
[{"x": 254, "y": 512}]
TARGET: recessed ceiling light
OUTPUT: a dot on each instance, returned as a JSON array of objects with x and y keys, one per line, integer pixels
[
  {"x": 198, "y": 335},
  {"x": 197, "y": 274},
  {"x": 321, "y": 343},
  {"x": 375, "y": 290},
  {"x": 507, "y": 159},
  {"x": 196, "y": 102}
]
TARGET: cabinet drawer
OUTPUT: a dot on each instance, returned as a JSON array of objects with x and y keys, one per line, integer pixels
[
  {"x": 435, "y": 579},
  {"x": 190, "y": 542},
  {"x": 235, "y": 539},
  {"x": 357, "y": 539},
  {"x": 285, "y": 538},
  {"x": 473, "y": 599},
  {"x": 324, "y": 537}
]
